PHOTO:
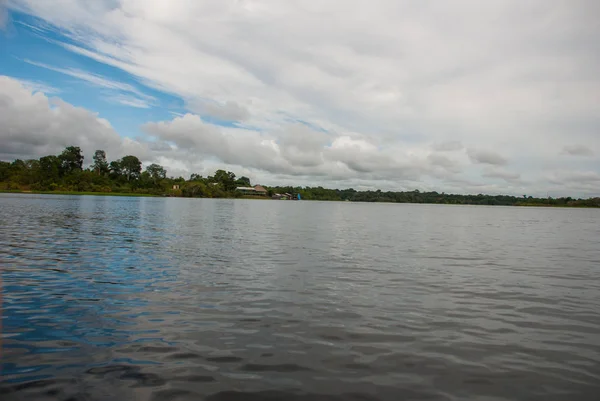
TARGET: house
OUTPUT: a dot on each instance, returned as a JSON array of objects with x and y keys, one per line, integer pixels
[
  {"x": 255, "y": 190},
  {"x": 175, "y": 186},
  {"x": 260, "y": 190},
  {"x": 246, "y": 190}
]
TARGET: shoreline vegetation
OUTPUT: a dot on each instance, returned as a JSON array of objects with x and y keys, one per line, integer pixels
[{"x": 64, "y": 174}]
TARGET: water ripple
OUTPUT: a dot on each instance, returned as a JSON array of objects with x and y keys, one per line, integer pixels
[{"x": 185, "y": 299}]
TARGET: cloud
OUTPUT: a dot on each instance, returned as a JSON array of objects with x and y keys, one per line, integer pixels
[
  {"x": 437, "y": 159},
  {"x": 128, "y": 100},
  {"x": 102, "y": 82},
  {"x": 188, "y": 144},
  {"x": 38, "y": 86},
  {"x": 587, "y": 177},
  {"x": 480, "y": 156},
  {"x": 228, "y": 111},
  {"x": 577, "y": 150},
  {"x": 301, "y": 145},
  {"x": 38, "y": 29},
  {"x": 447, "y": 146},
  {"x": 580, "y": 183},
  {"x": 503, "y": 174},
  {"x": 235, "y": 146},
  {"x": 370, "y": 69},
  {"x": 33, "y": 125},
  {"x": 359, "y": 72},
  {"x": 294, "y": 150}
]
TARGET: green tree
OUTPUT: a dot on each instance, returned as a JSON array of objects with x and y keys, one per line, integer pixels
[
  {"x": 100, "y": 164},
  {"x": 132, "y": 167},
  {"x": 71, "y": 159},
  {"x": 115, "y": 168},
  {"x": 145, "y": 181},
  {"x": 157, "y": 172},
  {"x": 4, "y": 171},
  {"x": 195, "y": 189},
  {"x": 243, "y": 182},
  {"x": 50, "y": 167},
  {"x": 18, "y": 170},
  {"x": 226, "y": 179}
]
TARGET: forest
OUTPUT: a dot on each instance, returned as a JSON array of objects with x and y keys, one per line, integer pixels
[{"x": 65, "y": 173}]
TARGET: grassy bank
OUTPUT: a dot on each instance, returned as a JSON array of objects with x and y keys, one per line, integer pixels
[
  {"x": 16, "y": 191},
  {"x": 566, "y": 206},
  {"x": 255, "y": 197}
]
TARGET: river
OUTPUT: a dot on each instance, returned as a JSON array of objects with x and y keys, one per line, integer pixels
[{"x": 118, "y": 298}]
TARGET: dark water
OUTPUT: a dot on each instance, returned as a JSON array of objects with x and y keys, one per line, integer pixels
[{"x": 108, "y": 298}]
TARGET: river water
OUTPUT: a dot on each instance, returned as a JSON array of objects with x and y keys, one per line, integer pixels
[{"x": 112, "y": 298}]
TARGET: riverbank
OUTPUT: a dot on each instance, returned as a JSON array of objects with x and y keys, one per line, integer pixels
[
  {"x": 16, "y": 191},
  {"x": 131, "y": 194},
  {"x": 135, "y": 194}
]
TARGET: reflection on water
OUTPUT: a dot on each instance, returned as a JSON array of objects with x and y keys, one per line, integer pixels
[{"x": 109, "y": 298}]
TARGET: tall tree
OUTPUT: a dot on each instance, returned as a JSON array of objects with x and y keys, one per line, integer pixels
[
  {"x": 4, "y": 171},
  {"x": 157, "y": 172},
  {"x": 50, "y": 167},
  {"x": 100, "y": 163},
  {"x": 132, "y": 167},
  {"x": 71, "y": 159},
  {"x": 115, "y": 168},
  {"x": 243, "y": 182},
  {"x": 226, "y": 179}
]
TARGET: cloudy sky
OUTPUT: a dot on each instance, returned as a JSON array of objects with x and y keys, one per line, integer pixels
[{"x": 456, "y": 96}]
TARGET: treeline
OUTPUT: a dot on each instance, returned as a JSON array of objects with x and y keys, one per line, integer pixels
[
  {"x": 66, "y": 173},
  {"x": 416, "y": 196}
]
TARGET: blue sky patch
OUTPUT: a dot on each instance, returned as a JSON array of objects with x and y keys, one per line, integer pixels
[{"x": 33, "y": 53}]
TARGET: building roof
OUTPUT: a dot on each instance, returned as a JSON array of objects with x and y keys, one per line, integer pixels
[
  {"x": 259, "y": 188},
  {"x": 246, "y": 189}
]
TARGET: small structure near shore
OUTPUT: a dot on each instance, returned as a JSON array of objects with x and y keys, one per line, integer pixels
[
  {"x": 255, "y": 190},
  {"x": 286, "y": 196}
]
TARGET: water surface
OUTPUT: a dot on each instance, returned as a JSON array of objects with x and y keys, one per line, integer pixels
[{"x": 111, "y": 298}]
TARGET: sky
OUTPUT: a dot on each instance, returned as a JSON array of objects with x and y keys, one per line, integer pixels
[{"x": 467, "y": 96}]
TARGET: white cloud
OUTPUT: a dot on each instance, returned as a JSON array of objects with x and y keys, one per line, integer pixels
[
  {"x": 102, "y": 82},
  {"x": 128, "y": 100},
  {"x": 228, "y": 111},
  {"x": 33, "y": 125},
  {"x": 444, "y": 161},
  {"x": 447, "y": 146},
  {"x": 503, "y": 174},
  {"x": 38, "y": 86},
  {"x": 488, "y": 77},
  {"x": 576, "y": 177},
  {"x": 577, "y": 150},
  {"x": 482, "y": 156}
]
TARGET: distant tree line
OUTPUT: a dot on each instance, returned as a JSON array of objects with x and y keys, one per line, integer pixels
[
  {"x": 66, "y": 173},
  {"x": 416, "y": 196}
]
